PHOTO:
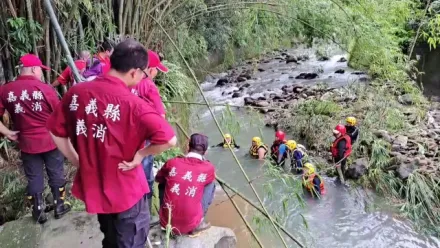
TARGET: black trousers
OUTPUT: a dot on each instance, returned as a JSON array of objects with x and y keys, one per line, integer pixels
[
  {"x": 128, "y": 229},
  {"x": 34, "y": 164}
]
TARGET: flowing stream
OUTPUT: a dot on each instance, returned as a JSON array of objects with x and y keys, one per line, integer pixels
[{"x": 344, "y": 217}]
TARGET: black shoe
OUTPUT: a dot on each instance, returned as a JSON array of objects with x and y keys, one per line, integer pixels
[
  {"x": 61, "y": 206},
  {"x": 38, "y": 208}
]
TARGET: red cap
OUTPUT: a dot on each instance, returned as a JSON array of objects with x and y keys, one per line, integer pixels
[
  {"x": 30, "y": 60},
  {"x": 154, "y": 61}
]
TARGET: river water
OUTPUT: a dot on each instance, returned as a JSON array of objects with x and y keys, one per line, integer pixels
[{"x": 344, "y": 217}]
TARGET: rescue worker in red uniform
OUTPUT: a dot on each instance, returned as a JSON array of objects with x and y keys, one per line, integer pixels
[
  {"x": 312, "y": 182},
  {"x": 274, "y": 149},
  {"x": 341, "y": 147}
]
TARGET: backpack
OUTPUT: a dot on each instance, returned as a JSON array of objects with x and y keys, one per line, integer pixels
[{"x": 93, "y": 69}]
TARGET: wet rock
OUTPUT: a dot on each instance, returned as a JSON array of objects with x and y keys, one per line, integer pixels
[
  {"x": 342, "y": 60},
  {"x": 261, "y": 69},
  {"x": 291, "y": 59},
  {"x": 340, "y": 71},
  {"x": 246, "y": 85},
  {"x": 262, "y": 104},
  {"x": 405, "y": 170},
  {"x": 363, "y": 79},
  {"x": 298, "y": 89},
  {"x": 323, "y": 58},
  {"x": 383, "y": 134},
  {"x": 261, "y": 98},
  {"x": 221, "y": 82},
  {"x": 303, "y": 57},
  {"x": 357, "y": 170},
  {"x": 311, "y": 75},
  {"x": 237, "y": 94},
  {"x": 326, "y": 96},
  {"x": 358, "y": 73},
  {"x": 249, "y": 101},
  {"x": 246, "y": 74},
  {"x": 241, "y": 79},
  {"x": 406, "y": 99},
  {"x": 401, "y": 141}
]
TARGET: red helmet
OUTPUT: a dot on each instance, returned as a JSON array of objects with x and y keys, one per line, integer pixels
[
  {"x": 341, "y": 129},
  {"x": 280, "y": 135}
]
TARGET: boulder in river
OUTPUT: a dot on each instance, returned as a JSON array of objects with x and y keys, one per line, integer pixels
[
  {"x": 291, "y": 59},
  {"x": 340, "y": 71},
  {"x": 237, "y": 94},
  {"x": 358, "y": 73},
  {"x": 310, "y": 75},
  {"x": 241, "y": 79},
  {"x": 261, "y": 69},
  {"x": 342, "y": 59},
  {"x": 221, "y": 82},
  {"x": 304, "y": 57},
  {"x": 358, "y": 169},
  {"x": 249, "y": 101},
  {"x": 323, "y": 58},
  {"x": 262, "y": 104}
]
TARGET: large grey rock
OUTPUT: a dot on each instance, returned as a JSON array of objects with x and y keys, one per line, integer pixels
[
  {"x": 76, "y": 229},
  {"x": 383, "y": 134},
  {"x": 79, "y": 229},
  {"x": 405, "y": 170},
  {"x": 406, "y": 99},
  {"x": 358, "y": 169},
  {"x": 215, "y": 237},
  {"x": 401, "y": 141}
]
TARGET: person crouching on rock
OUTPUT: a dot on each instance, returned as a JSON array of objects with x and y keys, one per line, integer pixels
[
  {"x": 186, "y": 189},
  {"x": 352, "y": 129},
  {"x": 228, "y": 141},
  {"x": 296, "y": 156},
  {"x": 312, "y": 182},
  {"x": 258, "y": 149},
  {"x": 341, "y": 147},
  {"x": 275, "y": 148}
]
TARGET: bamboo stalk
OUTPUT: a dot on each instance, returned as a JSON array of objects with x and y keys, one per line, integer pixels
[
  {"x": 11, "y": 8},
  {"x": 57, "y": 28},
  {"x": 121, "y": 22},
  {"x": 47, "y": 41},
  {"x": 220, "y": 129},
  {"x": 31, "y": 19}
]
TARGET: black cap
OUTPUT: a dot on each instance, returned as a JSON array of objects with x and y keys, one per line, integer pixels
[{"x": 198, "y": 142}]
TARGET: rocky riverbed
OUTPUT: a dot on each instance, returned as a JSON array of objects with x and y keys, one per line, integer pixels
[{"x": 307, "y": 95}]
